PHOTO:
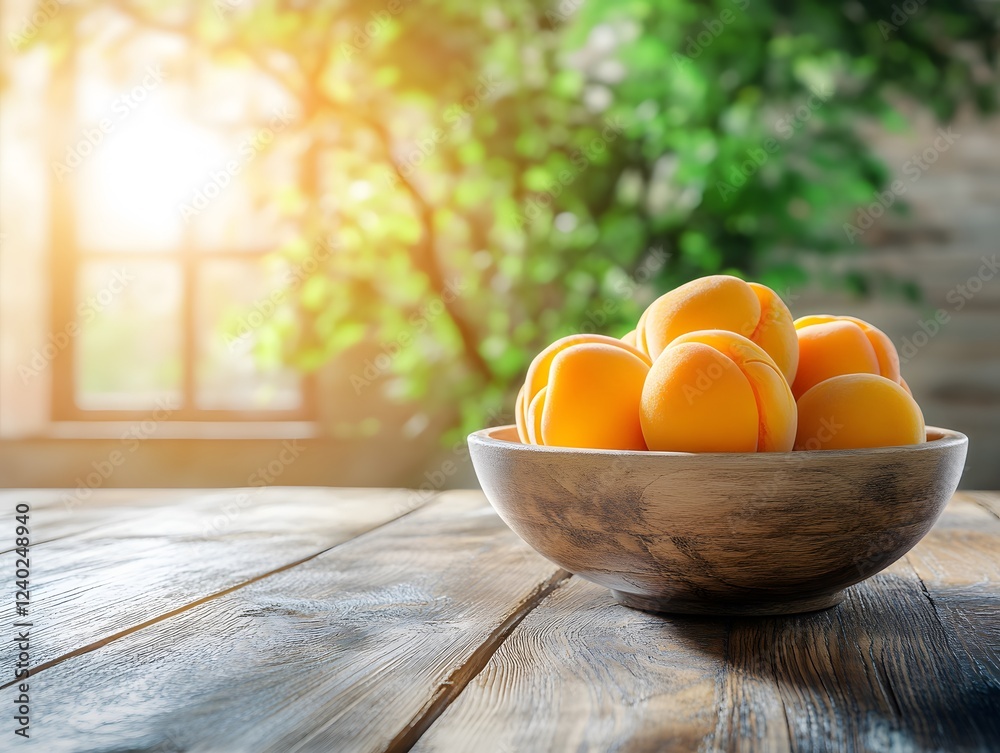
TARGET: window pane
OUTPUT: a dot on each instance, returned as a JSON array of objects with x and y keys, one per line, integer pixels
[
  {"x": 129, "y": 352},
  {"x": 132, "y": 155},
  {"x": 236, "y": 194},
  {"x": 228, "y": 375},
  {"x": 136, "y": 191},
  {"x": 231, "y": 219}
]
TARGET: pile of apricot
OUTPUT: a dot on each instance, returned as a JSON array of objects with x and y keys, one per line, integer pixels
[{"x": 718, "y": 365}]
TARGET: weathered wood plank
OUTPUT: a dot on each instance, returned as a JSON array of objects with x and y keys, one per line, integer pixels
[
  {"x": 958, "y": 565},
  {"x": 902, "y": 665},
  {"x": 886, "y": 670},
  {"x": 583, "y": 673},
  {"x": 72, "y": 501},
  {"x": 56, "y": 513},
  {"x": 989, "y": 501},
  {"x": 88, "y": 587},
  {"x": 444, "y": 630},
  {"x": 348, "y": 651}
]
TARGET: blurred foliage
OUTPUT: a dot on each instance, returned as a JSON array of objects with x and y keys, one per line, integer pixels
[{"x": 496, "y": 175}]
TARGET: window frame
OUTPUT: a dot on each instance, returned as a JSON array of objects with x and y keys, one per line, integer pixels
[{"x": 66, "y": 258}]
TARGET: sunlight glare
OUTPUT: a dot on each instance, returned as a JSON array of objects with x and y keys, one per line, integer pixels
[{"x": 133, "y": 185}]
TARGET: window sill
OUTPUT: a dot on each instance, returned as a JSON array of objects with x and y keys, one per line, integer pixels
[{"x": 184, "y": 429}]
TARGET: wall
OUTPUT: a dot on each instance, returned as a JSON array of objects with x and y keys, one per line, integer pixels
[
  {"x": 955, "y": 374},
  {"x": 949, "y": 244}
]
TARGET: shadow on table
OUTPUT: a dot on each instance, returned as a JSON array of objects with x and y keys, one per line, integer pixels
[{"x": 892, "y": 668}]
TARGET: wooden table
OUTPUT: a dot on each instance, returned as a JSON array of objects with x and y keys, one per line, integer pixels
[{"x": 377, "y": 620}]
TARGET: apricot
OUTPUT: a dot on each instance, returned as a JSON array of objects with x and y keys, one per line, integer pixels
[
  {"x": 584, "y": 391},
  {"x": 722, "y": 302},
  {"x": 534, "y": 416},
  {"x": 717, "y": 391},
  {"x": 852, "y": 411},
  {"x": 831, "y": 346},
  {"x": 522, "y": 429}
]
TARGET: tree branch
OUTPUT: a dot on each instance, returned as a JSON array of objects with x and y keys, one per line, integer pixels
[
  {"x": 429, "y": 263},
  {"x": 309, "y": 94}
]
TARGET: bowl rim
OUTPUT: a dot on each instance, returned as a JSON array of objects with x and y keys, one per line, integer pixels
[{"x": 937, "y": 439}]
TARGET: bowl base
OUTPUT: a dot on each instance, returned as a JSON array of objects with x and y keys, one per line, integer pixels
[{"x": 666, "y": 605}]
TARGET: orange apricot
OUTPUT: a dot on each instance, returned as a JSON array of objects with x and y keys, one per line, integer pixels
[
  {"x": 522, "y": 429},
  {"x": 534, "y": 416},
  {"x": 593, "y": 399},
  {"x": 584, "y": 391},
  {"x": 717, "y": 391},
  {"x": 721, "y": 302},
  {"x": 538, "y": 373},
  {"x": 857, "y": 410},
  {"x": 775, "y": 330},
  {"x": 831, "y": 346}
]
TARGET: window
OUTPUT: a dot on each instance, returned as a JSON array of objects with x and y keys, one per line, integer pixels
[{"x": 159, "y": 241}]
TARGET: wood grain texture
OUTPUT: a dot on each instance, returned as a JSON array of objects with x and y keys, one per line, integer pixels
[
  {"x": 720, "y": 533},
  {"x": 89, "y": 587},
  {"x": 347, "y": 652},
  {"x": 989, "y": 501},
  {"x": 881, "y": 672},
  {"x": 57, "y": 513},
  {"x": 439, "y": 630},
  {"x": 958, "y": 565},
  {"x": 906, "y": 664},
  {"x": 583, "y": 673}
]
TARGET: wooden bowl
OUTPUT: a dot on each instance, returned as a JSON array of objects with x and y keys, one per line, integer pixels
[{"x": 720, "y": 533}]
